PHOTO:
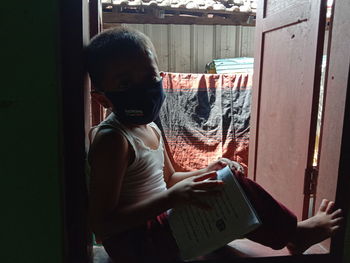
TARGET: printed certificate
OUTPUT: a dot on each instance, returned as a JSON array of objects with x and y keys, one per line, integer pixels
[{"x": 198, "y": 231}]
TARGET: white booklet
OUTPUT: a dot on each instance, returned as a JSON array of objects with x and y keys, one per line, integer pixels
[{"x": 198, "y": 232}]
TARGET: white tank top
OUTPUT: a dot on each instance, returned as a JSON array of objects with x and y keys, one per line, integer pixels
[{"x": 144, "y": 176}]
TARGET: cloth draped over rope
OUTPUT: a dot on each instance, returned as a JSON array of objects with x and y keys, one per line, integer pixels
[{"x": 206, "y": 116}]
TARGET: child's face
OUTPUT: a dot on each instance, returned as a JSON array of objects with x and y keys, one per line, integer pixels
[
  {"x": 130, "y": 72},
  {"x": 132, "y": 89}
]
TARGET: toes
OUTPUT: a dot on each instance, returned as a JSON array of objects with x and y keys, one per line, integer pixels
[
  {"x": 337, "y": 213},
  {"x": 334, "y": 229},
  {"x": 330, "y": 207},
  {"x": 323, "y": 205},
  {"x": 337, "y": 221}
]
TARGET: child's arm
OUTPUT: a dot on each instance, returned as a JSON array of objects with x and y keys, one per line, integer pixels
[
  {"x": 172, "y": 177},
  {"x": 110, "y": 155}
]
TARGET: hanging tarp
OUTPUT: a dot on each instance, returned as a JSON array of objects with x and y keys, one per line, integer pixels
[{"x": 206, "y": 116}]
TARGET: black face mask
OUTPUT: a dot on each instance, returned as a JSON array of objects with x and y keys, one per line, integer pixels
[{"x": 138, "y": 105}]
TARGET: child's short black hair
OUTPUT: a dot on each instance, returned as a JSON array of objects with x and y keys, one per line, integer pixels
[{"x": 113, "y": 44}]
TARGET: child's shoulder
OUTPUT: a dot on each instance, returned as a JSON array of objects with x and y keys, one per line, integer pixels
[
  {"x": 107, "y": 135},
  {"x": 107, "y": 129},
  {"x": 106, "y": 140}
]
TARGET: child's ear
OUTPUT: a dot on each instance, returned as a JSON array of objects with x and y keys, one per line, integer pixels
[{"x": 101, "y": 99}]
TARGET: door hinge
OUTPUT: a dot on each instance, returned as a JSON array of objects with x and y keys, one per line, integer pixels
[{"x": 310, "y": 184}]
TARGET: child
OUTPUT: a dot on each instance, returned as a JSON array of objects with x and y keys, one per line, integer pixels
[{"x": 133, "y": 182}]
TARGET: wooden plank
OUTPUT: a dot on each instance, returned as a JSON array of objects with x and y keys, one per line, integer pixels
[
  {"x": 203, "y": 46},
  {"x": 217, "y": 41},
  {"x": 193, "y": 59},
  {"x": 292, "y": 15},
  {"x": 255, "y": 108},
  {"x": 181, "y": 46},
  {"x": 159, "y": 36},
  {"x": 333, "y": 164},
  {"x": 315, "y": 48},
  {"x": 74, "y": 33},
  {"x": 95, "y": 17},
  {"x": 276, "y": 6},
  {"x": 199, "y": 12},
  {"x": 170, "y": 48},
  {"x": 247, "y": 40},
  {"x": 116, "y": 18},
  {"x": 95, "y": 23},
  {"x": 229, "y": 41}
]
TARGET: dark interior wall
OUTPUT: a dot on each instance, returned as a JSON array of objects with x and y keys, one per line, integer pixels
[{"x": 30, "y": 151}]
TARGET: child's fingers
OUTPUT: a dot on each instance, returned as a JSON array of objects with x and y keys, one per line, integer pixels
[
  {"x": 338, "y": 221},
  {"x": 323, "y": 205},
  {"x": 207, "y": 185},
  {"x": 205, "y": 176},
  {"x": 236, "y": 167},
  {"x": 337, "y": 213},
  {"x": 222, "y": 163},
  {"x": 334, "y": 229},
  {"x": 330, "y": 207}
]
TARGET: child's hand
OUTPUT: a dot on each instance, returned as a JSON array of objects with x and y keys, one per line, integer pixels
[
  {"x": 216, "y": 165},
  {"x": 234, "y": 166},
  {"x": 222, "y": 162},
  {"x": 189, "y": 190}
]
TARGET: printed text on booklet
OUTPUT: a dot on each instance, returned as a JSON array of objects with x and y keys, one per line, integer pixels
[{"x": 198, "y": 232}]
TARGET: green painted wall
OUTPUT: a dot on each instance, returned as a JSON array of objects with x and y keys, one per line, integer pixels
[{"x": 30, "y": 151}]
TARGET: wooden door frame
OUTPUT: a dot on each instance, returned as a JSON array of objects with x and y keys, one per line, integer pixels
[
  {"x": 76, "y": 241},
  {"x": 73, "y": 29},
  {"x": 338, "y": 77},
  {"x": 95, "y": 19}
]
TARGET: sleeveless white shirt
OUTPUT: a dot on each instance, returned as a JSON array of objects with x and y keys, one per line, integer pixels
[{"x": 144, "y": 176}]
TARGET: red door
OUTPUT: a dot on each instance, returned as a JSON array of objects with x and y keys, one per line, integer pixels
[
  {"x": 334, "y": 106},
  {"x": 289, "y": 41}
]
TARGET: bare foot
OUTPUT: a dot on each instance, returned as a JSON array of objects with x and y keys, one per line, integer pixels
[{"x": 315, "y": 229}]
